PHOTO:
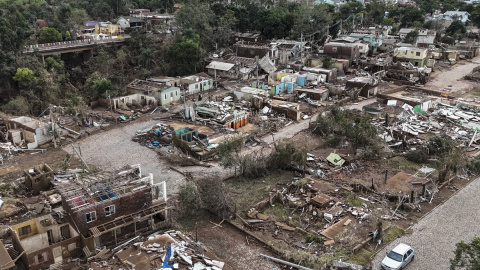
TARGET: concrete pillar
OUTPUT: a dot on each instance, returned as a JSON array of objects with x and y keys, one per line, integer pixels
[{"x": 87, "y": 54}]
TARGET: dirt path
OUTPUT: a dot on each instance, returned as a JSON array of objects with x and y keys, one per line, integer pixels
[
  {"x": 435, "y": 236},
  {"x": 113, "y": 149},
  {"x": 451, "y": 81}
]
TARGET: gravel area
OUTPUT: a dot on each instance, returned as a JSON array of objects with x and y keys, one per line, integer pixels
[
  {"x": 435, "y": 236},
  {"x": 451, "y": 80},
  {"x": 113, "y": 149}
]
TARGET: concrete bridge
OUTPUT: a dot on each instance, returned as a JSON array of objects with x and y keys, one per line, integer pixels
[{"x": 86, "y": 46}]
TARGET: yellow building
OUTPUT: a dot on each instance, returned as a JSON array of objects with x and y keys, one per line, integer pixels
[
  {"x": 416, "y": 56},
  {"x": 108, "y": 29}
]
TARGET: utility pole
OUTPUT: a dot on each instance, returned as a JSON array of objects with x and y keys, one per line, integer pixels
[
  {"x": 301, "y": 47},
  {"x": 216, "y": 84},
  {"x": 79, "y": 155},
  {"x": 256, "y": 61},
  {"x": 53, "y": 126}
]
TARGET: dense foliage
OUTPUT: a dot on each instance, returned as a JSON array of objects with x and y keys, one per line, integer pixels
[
  {"x": 202, "y": 26},
  {"x": 466, "y": 255}
]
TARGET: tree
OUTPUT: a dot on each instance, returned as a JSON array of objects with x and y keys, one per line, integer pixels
[
  {"x": 68, "y": 36},
  {"x": 448, "y": 40},
  {"x": 475, "y": 18},
  {"x": 287, "y": 155},
  {"x": 54, "y": 63},
  {"x": 340, "y": 126},
  {"x": 25, "y": 77},
  {"x": 350, "y": 8},
  {"x": 327, "y": 62},
  {"x": 311, "y": 22},
  {"x": 184, "y": 55},
  {"x": 375, "y": 11},
  {"x": 17, "y": 106},
  {"x": 410, "y": 15},
  {"x": 146, "y": 59},
  {"x": 457, "y": 28},
  {"x": 388, "y": 21},
  {"x": 274, "y": 22},
  {"x": 102, "y": 87},
  {"x": 467, "y": 256},
  {"x": 228, "y": 151},
  {"x": 449, "y": 154},
  {"x": 14, "y": 30},
  {"x": 199, "y": 18},
  {"x": 429, "y": 6},
  {"x": 49, "y": 35},
  {"x": 411, "y": 37}
]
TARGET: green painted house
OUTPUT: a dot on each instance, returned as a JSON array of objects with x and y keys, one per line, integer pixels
[{"x": 165, "y": 94}]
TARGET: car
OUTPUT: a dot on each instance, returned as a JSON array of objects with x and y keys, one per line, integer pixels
[{"x": 398, "y": 257}]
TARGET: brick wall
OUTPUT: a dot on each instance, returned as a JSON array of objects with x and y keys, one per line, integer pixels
[
  {"x": 125, "y": 205},
  {"x": 30, "y": 258}
]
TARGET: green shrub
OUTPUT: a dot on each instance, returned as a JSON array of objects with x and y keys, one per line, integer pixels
[
  {"x": 418, "y": 156},
  {"x": 311, "y": 237}
]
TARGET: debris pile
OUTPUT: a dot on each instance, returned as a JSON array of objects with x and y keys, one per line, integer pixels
[
  {"x": 170, "y": 250},
  {"x": 157, "y": 136},
  {"x": 412, "y": 126}
]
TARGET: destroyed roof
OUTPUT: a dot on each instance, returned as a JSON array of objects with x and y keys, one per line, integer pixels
[
  {"x": 220, "y": 66},
  {"x": 146, "y": 85},
  {"x": 5, "y": 259},
  {"x": 28, "y": 122},
  {"x": 244, "y": 60},
  {"x": 345, "y": 39},
  {"x": 97, "y": 188},
  {"x": 255, "y": 91},
  {"x": 315, "y": 90},
  {"x": 405, "y": 30},
  {"x": 131, "y": 19},
  {"x": 389, "y": 41},
  {"x": 197, "y": 77},
  {"x": 267, "y": 64},
  {"x": 425, "y": 39},
  {"x": 335, "y": 159},
  {"x": 341, "y": 44}
]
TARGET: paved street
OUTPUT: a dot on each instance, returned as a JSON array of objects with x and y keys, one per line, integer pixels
[{"x": 435, "y": 236}]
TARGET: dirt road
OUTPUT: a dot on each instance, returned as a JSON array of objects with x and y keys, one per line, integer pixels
[
  {"x": 451, "y": 81},
  {"x": 435, "y": 236},
  {"x": 114, "y": 149}
]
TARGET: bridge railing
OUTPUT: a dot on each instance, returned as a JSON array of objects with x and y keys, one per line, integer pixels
[{"x": 75, "y": 43}]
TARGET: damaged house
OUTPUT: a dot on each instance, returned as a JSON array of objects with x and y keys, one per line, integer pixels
[
  {"x": 125, "y": 102},
  {"x": 165, "y": 94},
  {"x": 222, "y": 69},
  {"x": 192, "y": 84},
  {"x": 339, "y": 50},
  {"x": 38, "y": 178},
  {"x": 29, "y": 130},
  {"x": 43, "y": 242},
  {"x": 416, "y": 56},
  {"x": 109, "y": 209}
]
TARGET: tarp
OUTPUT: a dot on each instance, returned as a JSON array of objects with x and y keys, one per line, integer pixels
[
  {"x": 167, "y": 258},
  {"x": 335, "y": 159}
]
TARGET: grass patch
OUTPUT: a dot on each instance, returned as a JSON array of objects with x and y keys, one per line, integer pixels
[
  {"x": 400, "y": 163},
  {"x": 300, "y": 184},
  {"x": 257, "y": 189},
  {"x": 277, "y": 210},
  {"x": 393, "y": 232},
  {"x": 311, "y": 237},
  {"x": 353, "y": 201},
  {"x": 5, "y": 187},
  {"x": 361, "y": 257}
]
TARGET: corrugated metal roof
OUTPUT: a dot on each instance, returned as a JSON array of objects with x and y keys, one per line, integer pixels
[{"x": 220, "y": 66}]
